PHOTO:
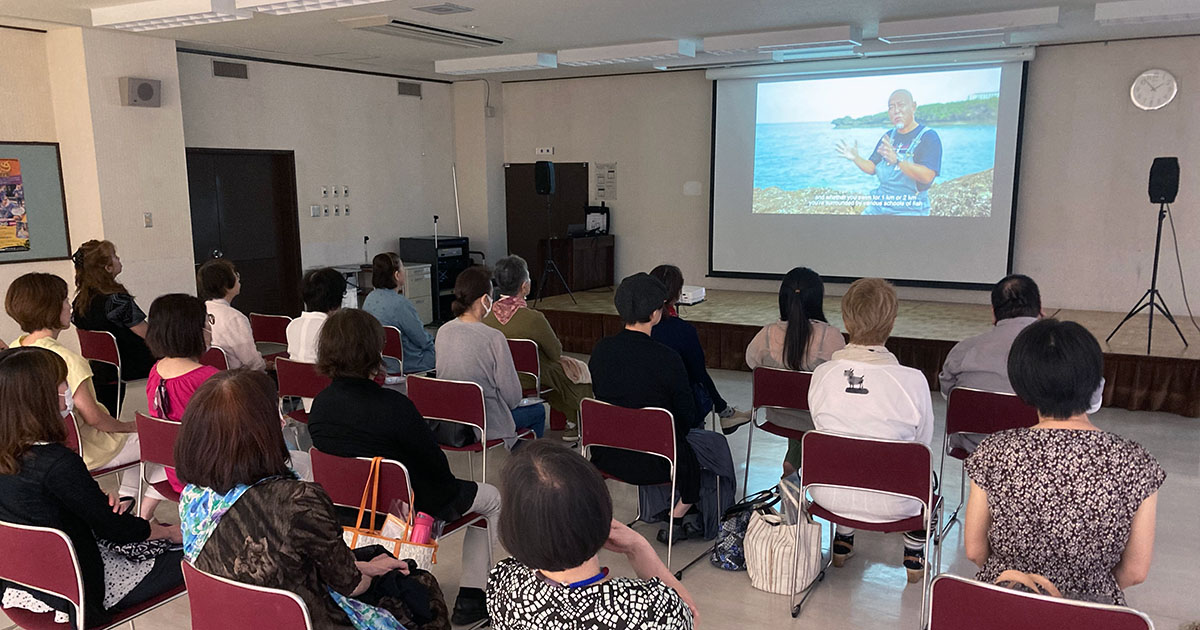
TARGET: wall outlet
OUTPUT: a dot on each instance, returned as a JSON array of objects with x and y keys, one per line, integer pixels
[
  {"x": 337, "y": 210},
  {"x": 347, "y": 210},
  {"x": 324, "y": 192},
  {"x": 544, "y": 151},
  {"x": 325, "y": 211},
  {"x": 314, "y": 210},
  {"x": 148, "y": 219}
]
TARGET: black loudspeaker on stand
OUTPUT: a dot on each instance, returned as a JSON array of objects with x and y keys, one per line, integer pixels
[
  {"x": 543, "y": 184},
  {"x": 1164, "y": 185}
]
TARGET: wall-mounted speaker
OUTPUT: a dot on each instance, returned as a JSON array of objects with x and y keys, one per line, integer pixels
[
  {"x": 141, "y": 92},
  {"x": 543, "y": 178}
]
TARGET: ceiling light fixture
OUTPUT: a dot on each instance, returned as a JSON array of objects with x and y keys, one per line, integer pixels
[
  {"x": 1141, "y": 11},
  {"x": 496, "y": 63},
  {"x": 157, "y": 14},
  {"x": 966, "y": 26},
  {"x": 704, "y": 61},
  {"x": 422, "y": 32},
  {"x": 287, "y": 7},
  {"x": 628, "y": 53},
  {"x": 778, "y": 41},
  {"x": 831, "y": 52}
]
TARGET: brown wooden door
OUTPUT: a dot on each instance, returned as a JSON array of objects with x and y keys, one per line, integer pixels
[{"x": 243, "y": 206}]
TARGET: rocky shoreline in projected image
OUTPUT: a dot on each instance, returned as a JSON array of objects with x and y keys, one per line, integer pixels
[{"x": 966, "y": 196}]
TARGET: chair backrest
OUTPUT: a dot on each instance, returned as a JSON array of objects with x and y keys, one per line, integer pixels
[
  {"x": 959, "y": 603},
  {"x": 215, "y": 357},
  {"x": 893, "y": 466},
  {"x": 774, "y": 387},
  {"x": 43, "y": 559},
  {"x": 157, "y": 437},
  {"x": 99, "y": 345},
  {"x": 392, "y": 347},
  {"x": 72, "y": 441},
  {"x": 452, "y": 401},
  {"x": 344, "y": 478},
  {"x": 979, "y": 411},
  {"x": 219, "y": 603},
  {"x": 525, "y": 358},
  {"x": 269, "y": 328},
  {"x": 299, "y": 379},
  {"x": 648, "y": 430}
]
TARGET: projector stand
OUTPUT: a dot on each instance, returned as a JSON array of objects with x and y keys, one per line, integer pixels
[
  {"x": 1152, "y": 293},
  {"x": 549, "y": 265}
]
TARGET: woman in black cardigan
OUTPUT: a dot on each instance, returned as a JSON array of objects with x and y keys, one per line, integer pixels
[
  {"x": 356, "y": 417},
  {"x": 44, "y": 483}
]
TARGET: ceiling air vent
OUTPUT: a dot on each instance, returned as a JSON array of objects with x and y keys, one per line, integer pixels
[
  {"x": 422, "y": 32},
  {"x": 408, "y": 89},
  {"x": 445, "y": 8},
  {"x": 230, "y": 69}
]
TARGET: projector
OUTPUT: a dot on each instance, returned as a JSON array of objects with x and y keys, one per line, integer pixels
[{"x": 691, "y": 295}]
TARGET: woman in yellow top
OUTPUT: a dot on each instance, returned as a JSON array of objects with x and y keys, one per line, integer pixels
[{"x": 38, "y": 302}]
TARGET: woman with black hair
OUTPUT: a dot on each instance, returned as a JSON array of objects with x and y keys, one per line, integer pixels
[{"x": 802, "y": 339}]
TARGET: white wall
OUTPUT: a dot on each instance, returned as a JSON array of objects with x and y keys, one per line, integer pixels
[
  {"x": 394, "y": 152},
  {"x": 1085, "y": 230}
]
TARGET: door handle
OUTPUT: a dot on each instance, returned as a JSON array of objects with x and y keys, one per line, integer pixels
[{"x": 216, "y": 253}]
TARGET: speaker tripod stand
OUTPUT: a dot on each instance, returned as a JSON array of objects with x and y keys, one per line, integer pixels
[
  {"x": 549, "y": 266},
  {"x": 1152, "y": 299}
]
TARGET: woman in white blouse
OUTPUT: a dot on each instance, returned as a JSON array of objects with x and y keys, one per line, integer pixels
[
  {"x": 864, "y": 391},
  {"x": 218, "y": 283}
]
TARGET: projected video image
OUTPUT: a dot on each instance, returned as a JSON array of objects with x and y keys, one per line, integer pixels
[{"x": 919, "y": 144}]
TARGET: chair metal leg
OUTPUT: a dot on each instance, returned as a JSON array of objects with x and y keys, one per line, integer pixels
[
  {"x": 962, "y": 499},
  {"x": 796, "y": 606},
  {"x": 749, "y": 441}
]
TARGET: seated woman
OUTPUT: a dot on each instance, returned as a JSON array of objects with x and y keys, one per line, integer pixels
[
  {"x": 469, "y": 350},
  {"x": 44, "y": 483},
  {"x": 39, "y": 304},
  {"x": 803, "y": 344},
  {"x": 511, "y": 316},
  {"x": 1062, "y": 499},
  {"x": 102, "y": 303},
  {"x": 275, "y": 530},
  {"x": 322, "y": 289},
  {"x": 388, "y": 304},
  {"x": 681, "y": 337},
  {"x": 864, "y": 391},
  {"x": 218, "y": 283},
  {"x": 179, "y": 333},
  {"x": 558, "y": 516},
  {"x": 356, "y": 417}
]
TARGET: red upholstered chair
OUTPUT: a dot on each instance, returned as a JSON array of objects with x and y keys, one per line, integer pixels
[
  {"x": 890, "y": 467},
  {"x": 959, "y": 603},
  {"x": 270, "y": 329},
  {"x": 528, "y": 362},
  {"x": 773, "y": 388},
  {"x": 101, "y": 346},
  {"x": 215, "y": 357},
  {"x": 606, "y": 425},
  {"x": 392, "y": 347},
  {"x": 459, "y": 402},
  {"x": 344, "y": 478},
  {"x": 43, "y": 559},
  {"x": 157, "y": 437},
  {"x": 73, "y": 443},
  {"x": 219, "y": 603},
  {"x": 300, "y": 380},
  {"x": 977, "y": 411}
]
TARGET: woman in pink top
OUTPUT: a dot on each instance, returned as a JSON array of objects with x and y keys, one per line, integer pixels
[{"x": 179, "y": 334}]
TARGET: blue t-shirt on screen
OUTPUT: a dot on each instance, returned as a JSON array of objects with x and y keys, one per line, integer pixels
[{"x": 928, "y": 152}]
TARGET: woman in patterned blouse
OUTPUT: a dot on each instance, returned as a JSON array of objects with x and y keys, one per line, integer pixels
[
  {"x": 557, "y": 516},
  {"x": 1062, "y": 499}
]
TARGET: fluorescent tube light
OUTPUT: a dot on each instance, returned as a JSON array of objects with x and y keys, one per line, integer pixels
[
  {"x": 966, "y": 26},
  {"x": 496, "y": 63},
  {"x": 285, "y": 7},
  {"x": 831, "y": 52},
  {"x": 893, "y": 62},
  {"x": 703, "y": 60},
  {"x": 776, "y": 41},
  {"x": 157, "y": 14},
  {"x": 628, "y": 53},
  {"x": 1140, "y": 11}
]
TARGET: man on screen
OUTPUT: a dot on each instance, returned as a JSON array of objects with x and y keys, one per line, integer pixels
[{"x": 906, "y": 160}]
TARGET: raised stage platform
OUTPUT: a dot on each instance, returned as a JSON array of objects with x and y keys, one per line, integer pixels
[{"x": 1166, "y": 380}]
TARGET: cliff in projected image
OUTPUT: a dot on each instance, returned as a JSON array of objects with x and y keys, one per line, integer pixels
[{"x": 838, "y": 166}]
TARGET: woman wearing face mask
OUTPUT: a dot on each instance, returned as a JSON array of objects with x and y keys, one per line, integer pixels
[
  {"x": 469, "y": 350},
  {"x": 38, "y": 302}
]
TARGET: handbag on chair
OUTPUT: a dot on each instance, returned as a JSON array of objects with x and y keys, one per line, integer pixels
[
  {"x": 773, "y": 560},
  {"x": 396, "y": 534}
]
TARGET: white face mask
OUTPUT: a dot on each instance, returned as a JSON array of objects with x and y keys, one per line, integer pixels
[{"x": 69, "y": 402}]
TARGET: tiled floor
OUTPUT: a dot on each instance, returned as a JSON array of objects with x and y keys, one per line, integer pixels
[{"x": 871, "y": 592}]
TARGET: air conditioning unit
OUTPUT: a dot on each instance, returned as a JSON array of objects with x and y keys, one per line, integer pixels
[{"x": 422, "y": 32}]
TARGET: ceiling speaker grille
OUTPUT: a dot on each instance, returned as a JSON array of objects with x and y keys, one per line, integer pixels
[{"x": 446, "y": 8}]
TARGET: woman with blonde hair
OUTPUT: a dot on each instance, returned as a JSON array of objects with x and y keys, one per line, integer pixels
[
  {"x": 864, "y": 391},
  {"x": 103, "y": 303}
]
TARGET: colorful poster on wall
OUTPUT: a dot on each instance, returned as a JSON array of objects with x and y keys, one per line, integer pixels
[{"x": 14, "y": 224}]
